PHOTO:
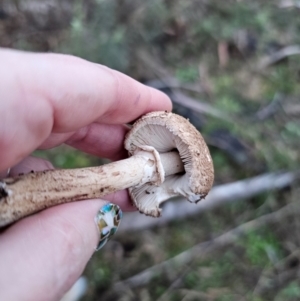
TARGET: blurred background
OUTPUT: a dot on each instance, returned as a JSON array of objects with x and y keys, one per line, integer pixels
[{"x": 231, "y": 67}]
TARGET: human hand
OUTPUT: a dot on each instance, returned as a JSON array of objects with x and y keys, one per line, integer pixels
[{"x": 47, "y": 100}]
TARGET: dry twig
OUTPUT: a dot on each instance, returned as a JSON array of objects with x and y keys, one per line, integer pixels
[
  {"x": 278, "y": 56},
  {"x": 289, "y": 4},
  {"x": 271, "y": 109}
]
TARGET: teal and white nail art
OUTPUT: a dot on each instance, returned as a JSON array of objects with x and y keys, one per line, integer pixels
[{"x": 108, "y": 220}]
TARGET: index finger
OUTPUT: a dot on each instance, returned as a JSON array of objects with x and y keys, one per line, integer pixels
[{"x": 44, "y": 93}]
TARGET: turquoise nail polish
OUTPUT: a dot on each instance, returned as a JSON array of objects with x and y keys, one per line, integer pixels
[{"x": 107, "y": 219}]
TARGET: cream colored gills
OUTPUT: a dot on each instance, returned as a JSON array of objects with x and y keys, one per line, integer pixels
[{"x": 165, "y": 132}]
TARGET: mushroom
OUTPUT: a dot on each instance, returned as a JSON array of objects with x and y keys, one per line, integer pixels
[
  {"x": 168, "y": 157},
  {"x": 167, "y": 133}
]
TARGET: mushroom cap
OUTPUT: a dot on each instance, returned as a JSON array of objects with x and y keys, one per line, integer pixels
[{"x": 166, "y": 131}]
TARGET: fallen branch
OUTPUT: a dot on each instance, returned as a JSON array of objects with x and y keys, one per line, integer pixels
[
  {"x": 196, "y": 105},
  {"x": 271, "y": 109},
  {"x": 182, "y": 99},
  {"x": 173, "y": 83},
  {"x": 205, "y": 248},
  {"x": 278, "y": 56},
  {"x": 218, "y": 196},
  {"x": 289, "y": 4}
]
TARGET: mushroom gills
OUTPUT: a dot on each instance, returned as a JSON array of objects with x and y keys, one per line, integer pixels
[
  {"x": 157, "y": 136},
  {"x": 153, "y": 196},
  {"x": 174, "y": 161}
]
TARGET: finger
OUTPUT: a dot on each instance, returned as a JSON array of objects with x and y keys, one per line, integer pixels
[
  {"x": 55, "y": 139},
  {"x": 48, "y": 251},
  {"x": 122, "y": 199},
  {"x": 4, "y": 173},
  {"x": 101, "y": 140},
  {"x": 29, "y": 164},
  {"x": 60, "y": 93}
]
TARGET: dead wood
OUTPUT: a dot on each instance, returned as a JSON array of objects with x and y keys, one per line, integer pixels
[{"x": 278, "y": 56}]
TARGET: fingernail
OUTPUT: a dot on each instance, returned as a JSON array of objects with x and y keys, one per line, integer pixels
[{"x": 107, "y": 219}]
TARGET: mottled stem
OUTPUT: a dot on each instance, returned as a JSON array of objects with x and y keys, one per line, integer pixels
[{"x": 25, "y": 194}]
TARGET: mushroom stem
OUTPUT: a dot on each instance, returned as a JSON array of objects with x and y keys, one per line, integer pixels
[{"x": 26, "y": 194}]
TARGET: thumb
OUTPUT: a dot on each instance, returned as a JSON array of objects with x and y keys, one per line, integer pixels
[{"x": 44, "y": 254}]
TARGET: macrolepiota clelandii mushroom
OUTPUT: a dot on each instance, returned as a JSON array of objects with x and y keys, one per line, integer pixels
[{"x": 168, "y": 157}]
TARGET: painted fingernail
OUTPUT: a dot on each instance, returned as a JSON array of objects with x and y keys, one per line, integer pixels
[{"x": 107, "y": 219}]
